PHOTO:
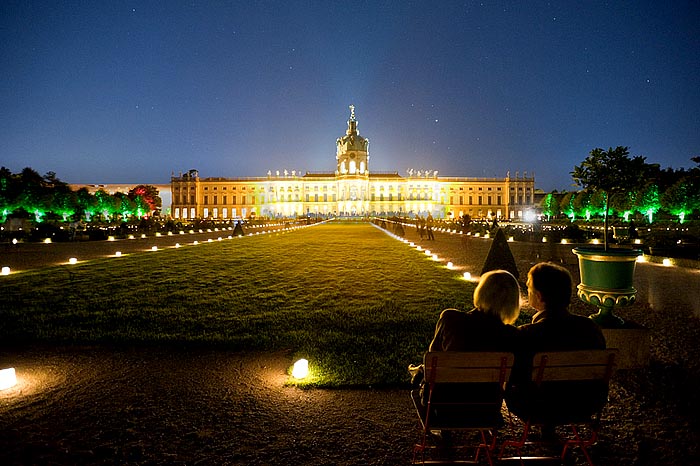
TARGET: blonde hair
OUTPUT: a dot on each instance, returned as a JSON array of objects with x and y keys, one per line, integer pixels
[{"x": 498, "y": 293}]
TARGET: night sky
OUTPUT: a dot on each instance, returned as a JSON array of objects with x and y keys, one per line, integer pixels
[{"x": 130, "y": 92}]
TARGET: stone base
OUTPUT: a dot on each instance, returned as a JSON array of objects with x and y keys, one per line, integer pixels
[{"x": 633, "y": 343}]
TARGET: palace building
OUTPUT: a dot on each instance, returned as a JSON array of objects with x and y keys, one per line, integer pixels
[{"x": 352, "y": 190}]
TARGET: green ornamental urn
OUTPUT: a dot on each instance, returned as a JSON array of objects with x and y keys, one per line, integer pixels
[{"x": 607, "y": 279}]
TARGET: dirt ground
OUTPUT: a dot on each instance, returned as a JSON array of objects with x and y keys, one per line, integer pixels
[{"x": 100, "y": 405}]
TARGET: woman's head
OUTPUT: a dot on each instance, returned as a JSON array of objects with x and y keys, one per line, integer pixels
[{"x": 498, "y": 294}]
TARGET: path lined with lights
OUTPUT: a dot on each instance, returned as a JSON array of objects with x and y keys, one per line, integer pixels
[
  {"x": 23, "y": 256},
  {"x": 652, "y": 278}
]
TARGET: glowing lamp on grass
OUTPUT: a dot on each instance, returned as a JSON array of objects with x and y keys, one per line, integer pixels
[
  {"x": 118, "y": 254},
  {"x": 564, "y": 241},
  {"x": 450, "y": 265},
  {"x": 131, "y": 236},
  {"x": 158, "y": 234},
  {"x": 435, "y": 257},
  {"x": 418, "y": 248},
  {"x": 110, "y": 238},
  {"x": 47, "y": 240},
  {"x": 667, "y": 262},
  {"x": 641, "y": 259},
  {"x": 73, "y": 261},
  {"x": 177, "y": 245},
  {"x": 427, "y": 252},
  {"x": 467, "y": 276},
  {"x": 196, "y": 243},
  {"x": 143, "y": 235},
  {"x": 596, "y": 241},
  {"x": 154, "y": 248},
  {"x": 544, "y": 239},
  {"x": 210, "y": 240},
  {"x": 8, "y": 378},
  {"x": 300, "y": 369},
  {"x": 5, "y": 271},
  {"x": 511, "y": 239}
]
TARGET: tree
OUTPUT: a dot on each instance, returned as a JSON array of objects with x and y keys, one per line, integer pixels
[
  {"x": 611, "y": 171},
  {"x": 677, "y": 200},
  {"x": 550, "y": 205},
  {"x": 149, "y": 194}
]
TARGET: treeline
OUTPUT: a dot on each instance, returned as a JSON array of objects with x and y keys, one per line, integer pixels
[
  {"x": 673, "y": 192},
  {"x": 27, "y": 194}
]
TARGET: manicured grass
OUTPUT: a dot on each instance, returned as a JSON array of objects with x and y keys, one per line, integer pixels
[{"x": 357, "y": 303}]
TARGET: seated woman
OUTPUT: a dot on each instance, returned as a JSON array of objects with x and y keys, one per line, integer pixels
[{"x": 487, "y": 327}]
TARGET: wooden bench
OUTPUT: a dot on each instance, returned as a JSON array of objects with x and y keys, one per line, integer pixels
[
  {"x": 464, "y": 393},
  {"x": 568, "y": 389}
]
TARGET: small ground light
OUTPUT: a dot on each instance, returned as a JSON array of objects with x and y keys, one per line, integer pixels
[
  {"x": 195, "y": 243},
  {"x": 467, "y": 276},
  {"x": 118, "y": 254},
  {"x": 177, "y": 245},
  {"x": 641, "y": 259},
  {"x": 450, "y": 265},
  {"x": 5, "y": 271},
  {"x": 72, "y": 260},
  {"x": 667, "y": 262},
  {"x": 47, "y": 240},
  {"x": 435, "y": 257},
  {"x": 8, "y": 378},
  {"x": 427, "y": 252},
  {"x": 143, "y": 235},
  {"x": 300, "y": 369},
  {"x": 154, "y": 248}
]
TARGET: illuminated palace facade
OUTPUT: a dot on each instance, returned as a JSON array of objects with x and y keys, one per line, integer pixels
[{"x": 351, "y": 190}]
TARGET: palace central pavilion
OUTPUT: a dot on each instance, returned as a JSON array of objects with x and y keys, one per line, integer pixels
[{"x": 353, "y": 189}]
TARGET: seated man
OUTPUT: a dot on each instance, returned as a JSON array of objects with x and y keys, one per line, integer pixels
[{"x": 553, "y": 328}]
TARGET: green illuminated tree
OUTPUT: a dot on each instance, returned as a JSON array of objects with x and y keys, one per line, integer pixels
[
  {"x": 566, "y": 205},
  {"x": 550, "y": 205},
  {"x": 678, "y": 200},
  {"x": 611, "y": 171},
  {"x": 649, "y": 202}
]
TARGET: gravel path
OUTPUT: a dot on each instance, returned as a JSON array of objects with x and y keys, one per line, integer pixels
[{"x": 97, "y": 405}]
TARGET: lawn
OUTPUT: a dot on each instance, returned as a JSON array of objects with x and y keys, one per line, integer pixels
[{"x": 357, "y": 303}]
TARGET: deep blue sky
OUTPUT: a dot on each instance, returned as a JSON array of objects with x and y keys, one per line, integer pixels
[{"x": 128, "y": 92}]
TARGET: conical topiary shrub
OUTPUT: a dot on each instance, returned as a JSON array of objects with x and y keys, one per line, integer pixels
[{"x": 500, "y": 257}]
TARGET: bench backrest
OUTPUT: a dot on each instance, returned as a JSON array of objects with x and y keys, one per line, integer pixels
[
  {"x": 559, "y": 366},
  {"x": 467, "y": 367}
]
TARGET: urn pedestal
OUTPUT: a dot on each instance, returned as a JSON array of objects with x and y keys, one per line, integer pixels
[{"x": 607, "y": 279}]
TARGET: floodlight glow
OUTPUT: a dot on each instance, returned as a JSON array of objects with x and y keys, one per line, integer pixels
[
  {"x": 210, "y": 240},
  {"x": 596, "y": 241},
  {"x": 5, "y": 271},
  {"x": 131, "y": 236},
  {"x": 544, "y": 239},
  {"x": 467, "y": 276},
  {"x": 110, "y": 238},
  {"x": 511, "y": 239},
  {"x": 14, "y": 240},
  {"x": 154, "y": 248},
  {"x": 118, "y": 254},
  {"x": 47, "y": 240},
  {"x": 170, "y": 233},
  {"x": 301, "y": 369},
  {"x": 143, "y": 235},
  {"x": 564, "y": 241},
  {"x": 435, "y": 257},
  {"x": 427, "y": 252},
  {"x": 667, "y": 262},
  {"x": 641, "y": 259},
  {"x": 195, "y": 243},
  {"x": 177, "y": 245},
  {"x": 158, "y": 234},
  {"x": 411, "y": 244},
  {"x": 8, "y": 378},
  {"x": 638, "y": 241},
  {"x": 72, "y": 260},
  {"x": 418, "y": 248},
  {"x": 450, "y": 265}
]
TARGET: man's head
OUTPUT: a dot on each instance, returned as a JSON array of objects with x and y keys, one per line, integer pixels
[{"x": 549, "y": 287}]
